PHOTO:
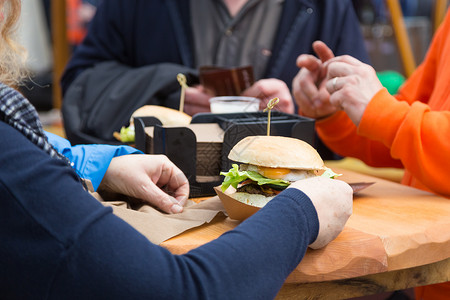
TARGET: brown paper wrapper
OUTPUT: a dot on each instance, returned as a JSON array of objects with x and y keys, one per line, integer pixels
[{"x": 158, "y": 226}]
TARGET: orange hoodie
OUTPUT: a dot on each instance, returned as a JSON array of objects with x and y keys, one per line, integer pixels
[{"x": 411, "y": 130}]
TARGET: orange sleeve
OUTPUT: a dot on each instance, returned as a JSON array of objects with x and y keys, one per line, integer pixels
[
  {"x": 340, "y": 134},
  {"x": 416, "y": 135},
  {"x": 417, "y": 127},
  {"x": 412, "y": 128}
]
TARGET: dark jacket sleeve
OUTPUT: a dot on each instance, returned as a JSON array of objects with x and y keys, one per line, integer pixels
[
  {"x": 60, "y": 243},
  {"x": 102, "y": 99},
  {"x": 131, "y": 32},
  {"x": 129, "y": 58}
]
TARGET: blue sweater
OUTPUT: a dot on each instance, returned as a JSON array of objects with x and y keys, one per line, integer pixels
[
  {"x": 90, "y": 161},
  {"x": 57, "y": 242}
]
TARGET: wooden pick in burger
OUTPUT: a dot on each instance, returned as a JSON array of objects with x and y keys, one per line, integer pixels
[
  {"x": 269, "y": 108},
  {"x": 182, "y": 80}
]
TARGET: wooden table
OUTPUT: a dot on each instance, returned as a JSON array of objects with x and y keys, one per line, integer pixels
[{"x": 398, "y": 237}]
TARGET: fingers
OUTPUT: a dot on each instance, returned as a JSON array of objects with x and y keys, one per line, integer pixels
[
  {"x": 254, "y": 91},
  {"x": 172, "y": 180},
  {"x": 191, "y": 109},
  {"x": 340, "y": 69},
  {"x": 313, "y": 101},
  {"x": 342, "y": 65},
  {"x": 177, "y": 185},
  {"x": 196, "y": 101},
  {"x": 197, "y": 96},
  {"x": 308, "y": 86},
  {"x": 314, "y": 64},
  {"x": 169, "y": 200},
  {"x": 309, "y": 62},
  {"x": 322, "y": 51},
  {"x": 158, "y": 182},
  {"x": 305, "y": 93},
  {"x": 151, "y": 178},
  {"x": 267, "y": 89},
  {"x": 162, "y": 200},
  {"x": 335, "y": 84},
  {"x": 305, "y": 103},
  {"x": 346, "y": 59},
  {"x": 335, "y": 87}
]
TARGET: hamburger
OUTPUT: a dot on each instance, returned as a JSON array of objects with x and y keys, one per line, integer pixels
[
  {"x": 268, "y": 165},
  {"x": 167, "y": 116}
]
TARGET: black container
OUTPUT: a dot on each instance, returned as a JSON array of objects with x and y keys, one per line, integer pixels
[{"x": 180, "y": 146}]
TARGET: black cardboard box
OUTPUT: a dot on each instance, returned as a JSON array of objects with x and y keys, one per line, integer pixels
[{"x": 201, "y": 149}]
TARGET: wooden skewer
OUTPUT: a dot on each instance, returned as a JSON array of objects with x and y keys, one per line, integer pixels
[
  {"x": 182, "y": 80},
  {"x": 269, "y": 108}
]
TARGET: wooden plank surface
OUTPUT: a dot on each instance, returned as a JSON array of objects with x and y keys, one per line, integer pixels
[
  {"x": 393, "y": 227},
  {"x": 370, "y": 284},
  {"x": 409, "y": 222}
]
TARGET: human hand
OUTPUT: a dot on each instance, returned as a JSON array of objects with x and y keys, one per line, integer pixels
[
  {"x": 308, "y": 86},
  {"x": 267, "y": 89},
  {"x": 333, "y": 200},
  {"x": 352, "y": 84},
  {"x": 151, "y": 178},
  {"x": 196, "y": 100}
]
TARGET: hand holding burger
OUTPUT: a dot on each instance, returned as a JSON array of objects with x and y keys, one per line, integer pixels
[{"x": 270, "y": 164}]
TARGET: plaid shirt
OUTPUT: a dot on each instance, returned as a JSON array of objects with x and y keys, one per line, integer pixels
[{"x": 18, "y": 112}]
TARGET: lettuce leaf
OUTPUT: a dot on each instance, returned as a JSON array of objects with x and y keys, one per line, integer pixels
[
  {"x": 233, "y": 177},
  {"x": 330, "y": 174},
  {"x": 127, "y": 134}
]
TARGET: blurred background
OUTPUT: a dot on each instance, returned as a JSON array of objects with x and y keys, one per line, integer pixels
[{"x": 397, "y": 35}]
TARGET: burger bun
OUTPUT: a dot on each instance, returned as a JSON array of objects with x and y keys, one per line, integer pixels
[
  {"x": 252, "y": 199},
  {"x": 167, "y": 116},
  {"x": 277, "y": 152}
]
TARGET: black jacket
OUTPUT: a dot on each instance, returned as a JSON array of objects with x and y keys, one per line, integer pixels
[{"x": 141, "y": 34}]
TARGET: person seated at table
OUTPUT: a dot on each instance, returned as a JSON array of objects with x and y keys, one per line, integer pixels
[
  {"x": 59, "y": 242},
  {"x": 357, "y": 117},
  {"x": 134, "y": 50}
]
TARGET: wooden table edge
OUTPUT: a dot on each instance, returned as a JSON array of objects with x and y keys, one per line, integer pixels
[{"x": 437, "y": 272}]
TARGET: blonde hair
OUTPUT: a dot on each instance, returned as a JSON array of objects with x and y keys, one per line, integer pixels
[{"x": 12, "y": 55}]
